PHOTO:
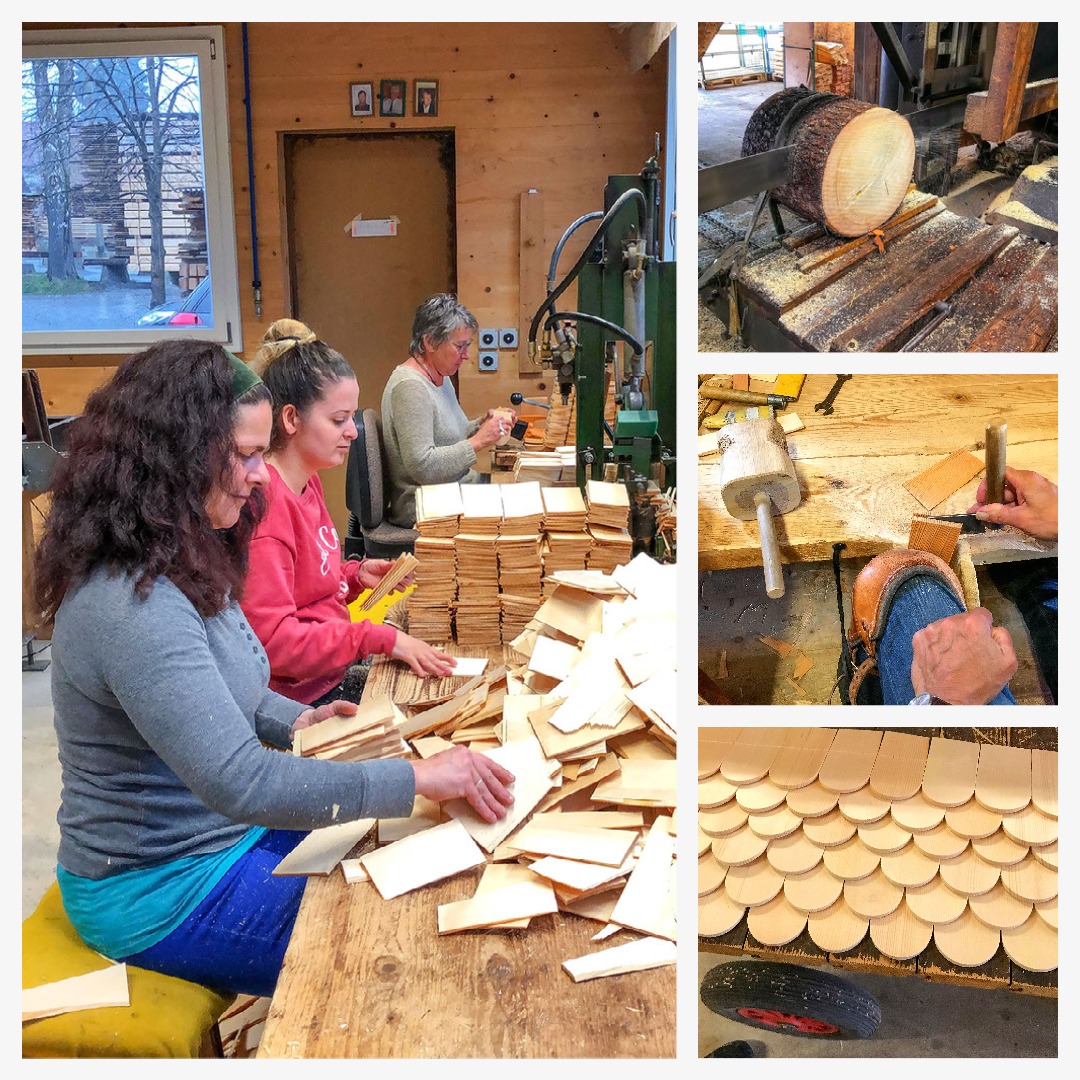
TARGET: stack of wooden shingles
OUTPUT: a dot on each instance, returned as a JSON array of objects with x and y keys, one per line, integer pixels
[
  {"x": 374, "y": 732},
  {"x": 518, "y": 549},
  {"x": 608, "y": 517},
  {"x": 476, "y": 613},
  {"x": 438, "y": 515},
  {"x": 588, "y": 730},
  {"x": 844, "y": 833},
  {"x": 548, "y": 467},
  {"x": 559, "y": 429},
  {"x": 566, "y": 544}
]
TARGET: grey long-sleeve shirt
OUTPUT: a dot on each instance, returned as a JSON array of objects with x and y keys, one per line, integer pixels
[
  {"x": 159, "y": 714},
  {"x": 425, "y": 438}
]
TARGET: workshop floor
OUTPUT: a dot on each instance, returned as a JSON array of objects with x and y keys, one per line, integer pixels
[
  {"x": 40, "y": 790},
  {"x": 919, "y": 1019},
  {"x": 734, "y": 613}
]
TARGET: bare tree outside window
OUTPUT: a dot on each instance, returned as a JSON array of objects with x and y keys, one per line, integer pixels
[{"x": 126, "y": 191}]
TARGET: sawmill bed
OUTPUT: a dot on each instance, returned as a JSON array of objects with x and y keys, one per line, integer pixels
[{"x": 819, "y": 293}]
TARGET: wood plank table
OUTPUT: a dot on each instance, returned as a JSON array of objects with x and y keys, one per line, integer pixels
[
  {"x": 364, "y": 977},
  {"x": 852, "y": 464},
  {"x": 999, "y": 973}
]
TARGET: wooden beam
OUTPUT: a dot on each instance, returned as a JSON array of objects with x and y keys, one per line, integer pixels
[
  {"x": 643, "y": 41},
  {"x": 866, "y": 77},
  {"x": 1004, "y": 99}
]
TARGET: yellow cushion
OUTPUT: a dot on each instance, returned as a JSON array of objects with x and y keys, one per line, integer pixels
[{"x": 167, "y": 1017}]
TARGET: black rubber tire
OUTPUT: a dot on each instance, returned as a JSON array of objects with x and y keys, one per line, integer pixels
[{"x": 813, "y": 999}]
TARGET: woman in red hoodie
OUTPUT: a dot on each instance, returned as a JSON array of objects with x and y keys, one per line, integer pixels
[{"x": 297, "y": 587}]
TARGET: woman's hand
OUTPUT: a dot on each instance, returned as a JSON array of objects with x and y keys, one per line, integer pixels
[
  {"x": 323, "y": 712},
  {"x": 371, "y": 571},
  {"x": 423, "y": 658},
  {"x": 460, "y": 773},
  {"x": 489, "y": 433},
  {"x": 1030, "y": 504}
]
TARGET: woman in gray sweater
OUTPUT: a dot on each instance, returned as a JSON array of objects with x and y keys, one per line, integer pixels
[
  {"x": 426, "y": 436},
  {"x": 174, "y": 812}
]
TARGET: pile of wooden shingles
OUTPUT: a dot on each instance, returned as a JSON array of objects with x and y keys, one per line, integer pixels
[
  {"x": 484, "y": 550},
  {"x": 584, "y": 719},
  {"x": 908, "y": 838}
]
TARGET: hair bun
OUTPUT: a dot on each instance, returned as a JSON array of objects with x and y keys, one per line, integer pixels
[{"x": 279, "y": 338}]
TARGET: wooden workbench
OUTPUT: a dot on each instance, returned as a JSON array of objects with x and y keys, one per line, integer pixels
[
  {"x": 365, "y": 977},
  {"x": 851, "y": 465},
  {"x": 1000, "y": 973}
]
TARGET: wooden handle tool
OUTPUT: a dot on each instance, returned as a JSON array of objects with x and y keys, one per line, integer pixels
[
  {"x": 995, "y": 460},
  {"x": 758, "y": 481},
  {"x": 742, "y": 397},
  {"x": 770, "y": 549}
]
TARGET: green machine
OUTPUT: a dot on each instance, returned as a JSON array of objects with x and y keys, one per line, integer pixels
[{"x": 622, "y": 336}]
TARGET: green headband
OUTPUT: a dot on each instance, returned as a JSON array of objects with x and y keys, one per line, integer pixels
[{"x": 243, "y": 377}]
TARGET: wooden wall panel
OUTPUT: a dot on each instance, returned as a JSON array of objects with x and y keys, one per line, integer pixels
[{"x": 551, "y": 106}]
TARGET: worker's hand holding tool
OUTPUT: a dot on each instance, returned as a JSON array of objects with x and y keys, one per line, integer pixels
[
  {"x": 323, "y": 712},
  {"x": 1030, "y": 504},
  {"x": 490, "y": 431},
  {"x": 423, "y": 658},
  {"x": 964, "y": 659},
  {"x": 371, "y": 571},
  {"x": 460, "y": 773}
]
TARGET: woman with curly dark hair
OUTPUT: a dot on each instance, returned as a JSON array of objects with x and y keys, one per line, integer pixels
[{"x": 174, "y": 812}]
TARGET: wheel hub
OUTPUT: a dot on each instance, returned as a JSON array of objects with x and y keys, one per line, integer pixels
[{"x": 773, "y": 1018}]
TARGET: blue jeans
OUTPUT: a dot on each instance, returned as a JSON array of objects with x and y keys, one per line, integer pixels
[
  {"x": 918, "y": 602},
  {"x": 235, "y": 940}
]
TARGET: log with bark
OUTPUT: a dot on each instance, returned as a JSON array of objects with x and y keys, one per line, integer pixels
[{"x": 852, "y": 161}]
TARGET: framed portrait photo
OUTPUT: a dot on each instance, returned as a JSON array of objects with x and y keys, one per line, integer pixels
[
  {"x": 392, "y": 97},
  {"x": 426, "y": 97},
  {"x": 362, "y": 99}
]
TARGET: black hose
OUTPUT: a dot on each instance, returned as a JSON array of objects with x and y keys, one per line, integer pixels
[
  {"x": 614, "y": 328},
  {"x": 562, "y": 243},
  {"x": 583, "y": 258}
]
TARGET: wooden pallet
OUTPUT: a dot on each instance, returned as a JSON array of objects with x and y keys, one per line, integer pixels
[
  {"x": 830, "y": 294},
  {"x": 735, "y": 80}
]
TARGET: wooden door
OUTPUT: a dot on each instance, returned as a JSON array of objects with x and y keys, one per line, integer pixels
[{"x": 359, "y": 294}]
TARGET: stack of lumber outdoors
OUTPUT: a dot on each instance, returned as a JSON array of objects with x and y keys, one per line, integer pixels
[{"x": 583, "y": 715}]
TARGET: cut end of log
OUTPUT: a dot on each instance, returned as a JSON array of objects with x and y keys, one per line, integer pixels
[{"x": 867, "y": 172}]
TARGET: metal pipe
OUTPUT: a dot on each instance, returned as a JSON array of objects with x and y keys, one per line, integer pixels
[{"x": 256, "y": 284}]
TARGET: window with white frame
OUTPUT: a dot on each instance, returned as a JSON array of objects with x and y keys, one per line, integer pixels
[{"x": 127, "y": 210}]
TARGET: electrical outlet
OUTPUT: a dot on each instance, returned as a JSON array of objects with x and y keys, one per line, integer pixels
[
  {"x": 488, "y": 339},
  {"x": 508, "y": 338},
  {"x": 489, "y": 361}
]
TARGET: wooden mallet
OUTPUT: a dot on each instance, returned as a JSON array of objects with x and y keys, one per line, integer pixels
[{"x": 757, "y": 480}]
